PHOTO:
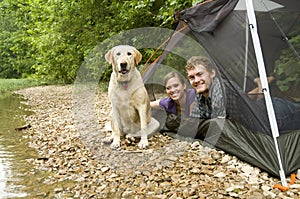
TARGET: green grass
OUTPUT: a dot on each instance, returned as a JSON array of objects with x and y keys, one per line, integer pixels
[{"x": 7, "y": 85}]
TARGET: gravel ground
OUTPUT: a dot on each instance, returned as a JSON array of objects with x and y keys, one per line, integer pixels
[{"x": 67, "y": 128}]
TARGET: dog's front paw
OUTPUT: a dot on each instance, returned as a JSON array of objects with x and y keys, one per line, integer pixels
[
  {"x": 143, "y": 143},
  {"x": 115, "y": 144},
  {"x": 107, "y": 140}
]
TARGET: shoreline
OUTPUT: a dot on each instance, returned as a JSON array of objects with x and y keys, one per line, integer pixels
[{"x": 69, "y": 143}]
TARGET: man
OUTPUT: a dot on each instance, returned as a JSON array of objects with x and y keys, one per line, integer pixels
[
  {"x": 202, "y": 77},
  {"x": 219, "y": 98}
]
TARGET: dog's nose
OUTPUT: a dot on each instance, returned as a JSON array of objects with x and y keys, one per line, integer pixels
[{"x": 123, "y": 65}]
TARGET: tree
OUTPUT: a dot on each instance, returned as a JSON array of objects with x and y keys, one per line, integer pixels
[
  {"x": 14, "y": 60},
  {"x": 50, "y": 39}
]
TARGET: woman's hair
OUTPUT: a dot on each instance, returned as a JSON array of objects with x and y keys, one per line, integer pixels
[
  {"x": 172, "y": 75},
  {"x": 199, "y": 60}
]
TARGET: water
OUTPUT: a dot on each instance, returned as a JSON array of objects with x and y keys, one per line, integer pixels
[
  {"x": 13, "y": 147},
  {"x": 18, "y": 178}
]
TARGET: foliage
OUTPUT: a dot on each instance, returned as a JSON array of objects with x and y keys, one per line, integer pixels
[
  {"x": 10, "y": 62},
  {"x": 49, "y": 40},
  {"x": 287, "y": 68}
]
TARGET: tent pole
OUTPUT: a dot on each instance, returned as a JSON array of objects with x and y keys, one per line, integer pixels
[
  {"x": 264, "y": 82},
  {"x": 246, "y": 58}
]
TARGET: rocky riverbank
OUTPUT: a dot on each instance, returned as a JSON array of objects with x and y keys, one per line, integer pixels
[{"x": 67, "y": 128}]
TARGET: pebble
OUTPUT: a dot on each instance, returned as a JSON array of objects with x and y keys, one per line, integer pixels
[
  {"x": 225, "y": 159},
  {"x": 220, "y": 175},
  {"x": 298, "y": 174}
]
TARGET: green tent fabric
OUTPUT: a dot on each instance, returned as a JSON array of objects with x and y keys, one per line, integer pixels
[{"x": 255, "y": 148}]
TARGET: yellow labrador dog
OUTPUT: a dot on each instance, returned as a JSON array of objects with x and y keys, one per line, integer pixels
[{"x": 130, "y": 114}]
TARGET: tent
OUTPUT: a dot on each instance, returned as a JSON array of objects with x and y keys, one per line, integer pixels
[{"x": 246, "y": 39}]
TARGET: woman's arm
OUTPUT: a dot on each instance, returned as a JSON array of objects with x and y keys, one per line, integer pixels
[{"x": 155, "y": 104}]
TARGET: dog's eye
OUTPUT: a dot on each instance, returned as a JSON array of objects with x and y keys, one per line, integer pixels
[
  {"x": 118, "y": 54},
  {"x": 129, "y": 53}
]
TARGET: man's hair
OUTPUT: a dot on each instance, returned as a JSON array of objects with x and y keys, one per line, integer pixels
[
  {"x": 172, "y": 75},
  {"x": 199, "y": 60}
]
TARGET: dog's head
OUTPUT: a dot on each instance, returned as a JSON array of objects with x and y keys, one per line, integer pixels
[{"x": 123, "y": 59}]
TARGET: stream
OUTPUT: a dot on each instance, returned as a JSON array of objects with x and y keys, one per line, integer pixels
[{"x": 18, "y": 177}]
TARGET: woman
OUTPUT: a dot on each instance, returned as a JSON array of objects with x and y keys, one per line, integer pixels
[{"x": 178, "y": 103}]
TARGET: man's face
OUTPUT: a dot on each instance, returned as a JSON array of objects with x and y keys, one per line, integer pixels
[{"x": 201, "y": 79}]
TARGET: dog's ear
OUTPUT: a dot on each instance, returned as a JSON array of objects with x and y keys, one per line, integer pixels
[
  {"x": 138, "y": 56},
  {"x": 109, "y": 56}
]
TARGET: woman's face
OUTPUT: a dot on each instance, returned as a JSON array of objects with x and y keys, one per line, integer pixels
[{"x": 175, "y": 89}]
